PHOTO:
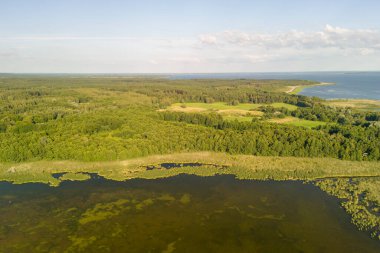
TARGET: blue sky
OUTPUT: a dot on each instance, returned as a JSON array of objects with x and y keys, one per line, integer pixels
[{"x": 188, "y": 36}]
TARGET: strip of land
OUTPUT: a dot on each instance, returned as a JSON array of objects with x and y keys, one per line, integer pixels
[
  {"x": 359, "y": 104},
  {"x": 298, "y": 88},
  {"x": 355, "y": 183},
  {"x": 242, "y": 166}
]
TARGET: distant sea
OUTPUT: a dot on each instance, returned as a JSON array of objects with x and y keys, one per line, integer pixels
[{"x": 364, "y": 85}]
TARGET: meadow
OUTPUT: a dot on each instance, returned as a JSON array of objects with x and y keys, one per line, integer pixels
[
  {"x": 245, "y": 112},
  {"x": 358, "y": 104}
]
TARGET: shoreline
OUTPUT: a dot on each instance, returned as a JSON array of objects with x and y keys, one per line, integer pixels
[
  {"x": 369, "y": 105},
  {"x": 333, "y": 176},
  {"x": 243, "y": 166},
  {"x": 294, "y": 90}
]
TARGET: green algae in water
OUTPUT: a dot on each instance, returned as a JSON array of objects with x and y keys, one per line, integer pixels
[
  {"x": 74, "y": 176},
  {"x": 179, "y": 214}
]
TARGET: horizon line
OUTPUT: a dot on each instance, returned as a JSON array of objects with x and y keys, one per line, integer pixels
[{"x": 178, "y": 73}]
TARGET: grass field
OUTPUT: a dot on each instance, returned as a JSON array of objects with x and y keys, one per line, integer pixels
[
  {"x": 359, "y": 104},
  {"x": 238, "y": 118},
  {"x": 223, "y": 106},
  {"x": 243, "y": 112},
  {"x": 297, "y": 122}
]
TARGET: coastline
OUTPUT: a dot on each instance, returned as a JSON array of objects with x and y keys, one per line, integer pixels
[
  {"x": 358, "y": 104},
  {"x": 362, "y": 104},
  {"x": 242, "y": 166},
  {"x": 294, "y": 90},
  {"x": 348, "y": 181}
]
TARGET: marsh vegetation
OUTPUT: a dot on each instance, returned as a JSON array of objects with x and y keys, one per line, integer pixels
[{"x": 178, "y": 214}]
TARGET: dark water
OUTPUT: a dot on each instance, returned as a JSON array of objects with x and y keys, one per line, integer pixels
[
  {"x": 365, "y": 85},
  {"x": 179, "y": 214},
  {"x": 179, "y": 165}
]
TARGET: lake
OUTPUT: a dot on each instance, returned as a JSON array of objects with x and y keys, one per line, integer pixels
[
  {"x": 364, "y": 85},
  {"x": 179, "y": 214}
]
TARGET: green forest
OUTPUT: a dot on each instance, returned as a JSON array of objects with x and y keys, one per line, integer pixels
[{"x": 116, "y": 118}]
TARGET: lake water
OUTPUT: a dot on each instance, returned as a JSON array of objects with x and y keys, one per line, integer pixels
[
  {"x": 365, "y": 85},
  {"x": 178, "y": 214}
]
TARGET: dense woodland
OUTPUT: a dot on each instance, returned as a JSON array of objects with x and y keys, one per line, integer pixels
[{"x": 103, "y": 118}]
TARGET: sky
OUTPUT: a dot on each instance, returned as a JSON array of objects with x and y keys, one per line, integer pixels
[{"x": 193, "y": 36}]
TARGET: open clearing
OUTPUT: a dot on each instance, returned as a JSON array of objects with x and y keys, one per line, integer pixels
[
  {"x": 238, "y": 118},
  {"x": 297, "y": 122},
  {"x": 242, "y": 112},
  {"x": 224, "y": 106},
  {"x": 360, "y": 104}
]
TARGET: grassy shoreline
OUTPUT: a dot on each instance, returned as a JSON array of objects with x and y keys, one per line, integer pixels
[
  {"x": 349, "y": 181},
  {"x": 242, "y": 166},
  {"x": 297, "y": 89},
  {"x": 358, "y": 104}
]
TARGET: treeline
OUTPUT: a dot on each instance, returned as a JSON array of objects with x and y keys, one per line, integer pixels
[
  {"x": 318, "y": 112},
  {"x": 344, "y": 142},
  {"x": 123, "y": 134},
  {"x": 343, "y": 116},
  {"x": 206, "y": 94},
  {"x": 165, "y": 91}
]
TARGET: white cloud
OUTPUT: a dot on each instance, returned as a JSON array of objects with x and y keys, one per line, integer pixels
[
  {"x": 208, "y": 39},
  {"x": 329, "y": 37},
  {"x": 366, "y": 51},
  {"x": 258, "y": 58},
  {"x": 154, "y": 62},
  {"x": 185, "y": 59},
  {"x": 331, "y": 48}
]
